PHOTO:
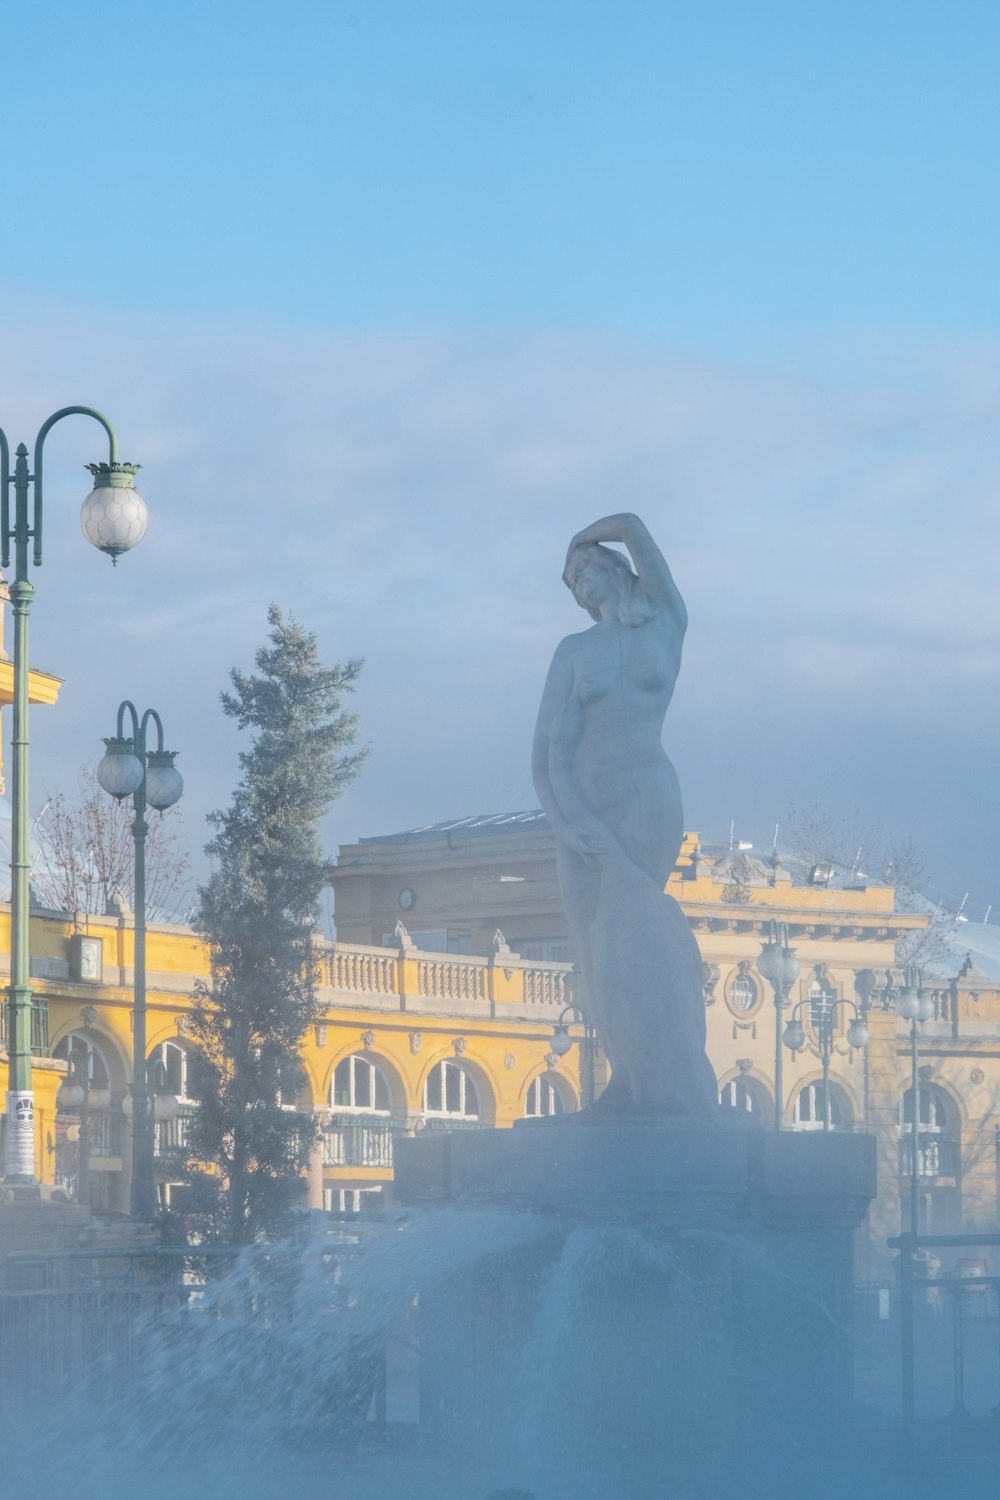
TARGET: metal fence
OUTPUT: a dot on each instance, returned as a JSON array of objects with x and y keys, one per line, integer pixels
[{"x": 964, "y": 1306}]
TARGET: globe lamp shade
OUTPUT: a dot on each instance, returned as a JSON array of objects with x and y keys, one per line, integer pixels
[
  {"x": 925, "y": 1006},
  {"x": 114, "y": 515},
  {"x": 857, "y": 1034},
  {"x": 790, "y": 967},
  {"x": 908, "y": 1004},
  {"x": 164, "y": 783},
  {"x": 769, "y": 963},
  {"x": 120, "y": 772},
  {"x": 794, "y": 1037},
  {"x": 561, "y": 1041}
]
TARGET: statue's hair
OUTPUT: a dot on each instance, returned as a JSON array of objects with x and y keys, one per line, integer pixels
[{"x": 633, "y": 606}]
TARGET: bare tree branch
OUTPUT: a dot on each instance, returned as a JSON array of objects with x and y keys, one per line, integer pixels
[{"x": 86, "y": 854}]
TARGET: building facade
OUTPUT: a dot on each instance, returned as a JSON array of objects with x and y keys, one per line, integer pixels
[
  {"x": 440, "y": 1002},
  {"x": 455, "y": 884}
]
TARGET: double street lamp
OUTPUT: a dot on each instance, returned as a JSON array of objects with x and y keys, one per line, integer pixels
[
  {"x": 113, "y": 517},
  {"x": 794, "y": 1039},
  {"x": 150, "y": 778},
  {"x": 780, "y": 967},
  {"x": 914, "y": 1005}
]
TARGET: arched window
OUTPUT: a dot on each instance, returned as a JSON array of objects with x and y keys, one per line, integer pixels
[
  {"x": 542, "y": 1098},
  {"x": 173, "y": 1068},
  {"x": 809, "y": 1108},
  {"x": 742, "y": 992},
  {"x": 938, "y": 1137},
  {"x": 450, "y": 1093},
  {"x": 85, "y": 1060},
  {"x": 358, "y": 1085},
  {"x": 745, "y": 1094}
]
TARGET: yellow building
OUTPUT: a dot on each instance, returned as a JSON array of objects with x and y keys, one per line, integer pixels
[
  {"x": 455, "y": 884},
  {"x": 450, "y": 1024},
  {"x": 404, "y": 1041},
  {"x": 440, "y": 999}
]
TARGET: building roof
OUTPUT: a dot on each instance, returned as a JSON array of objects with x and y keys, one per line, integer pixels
[{"x": 481, "y": 823}]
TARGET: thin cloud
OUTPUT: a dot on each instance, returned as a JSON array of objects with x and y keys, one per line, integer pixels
[{"x": 411, "y": 498}]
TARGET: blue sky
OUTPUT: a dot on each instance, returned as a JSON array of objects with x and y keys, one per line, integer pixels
[
  {"x": 391, "y": 298},
  {"x": 723, "y": 174}
]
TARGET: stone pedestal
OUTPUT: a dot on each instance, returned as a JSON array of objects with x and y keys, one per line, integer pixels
[{"x": 680, "y": 1299}]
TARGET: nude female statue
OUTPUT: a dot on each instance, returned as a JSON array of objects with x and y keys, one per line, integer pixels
[{"x": 613, "y": 800}]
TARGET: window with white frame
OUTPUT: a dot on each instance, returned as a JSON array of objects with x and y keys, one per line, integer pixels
[
  {"x": 82, "y": 1054},
  {"x": 547, "y": 950},
  {"x": 932, "y": 1110},
  {"x": 740, "y": 1093},
  {"x": 742, "y": 992},
  {"x": 809, "y": 1109},
  {"x": 359, "y": 1085},
  {"x": 821, "y": 999},
  {"x": 542, "y": 1098},
  {"x": 449, "y": 1092},
  {"x": 173, "y": 1069}
]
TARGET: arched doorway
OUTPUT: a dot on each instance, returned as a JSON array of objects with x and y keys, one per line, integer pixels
[
  {"x": 362, "y": 1129},
  {"x": 88, "y": 1135},
  {"x": 939, "y": 1160},
  {"x": 749, "y": 1096}
]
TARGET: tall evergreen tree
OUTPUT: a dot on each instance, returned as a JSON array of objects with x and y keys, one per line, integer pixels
[{"x": 257, "y": 914}]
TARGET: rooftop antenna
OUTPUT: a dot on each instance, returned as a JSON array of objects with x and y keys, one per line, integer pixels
[
  {"x": 732, "y": 830},
  {"x": 987, "y": 916},
  {"x": 961, "y": 906},
  {"x": 775, "y": 844}
]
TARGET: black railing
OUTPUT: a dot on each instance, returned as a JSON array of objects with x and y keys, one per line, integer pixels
[
  {"x": 969, "y": 1295},
  {"x": 39, "y": 1027},
  {"x": 105, "y": 1132},
  {"x": 353, "y": 1141},
  {"x": 172, "y": 1138},
  {"x": 938, "y": 1155}
]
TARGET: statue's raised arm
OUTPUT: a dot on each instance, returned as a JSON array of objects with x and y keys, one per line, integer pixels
[{"x": 652, "y": 570}]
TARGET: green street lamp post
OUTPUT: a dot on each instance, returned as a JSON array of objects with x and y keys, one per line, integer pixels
[
  {"x": 916, "y": 1006},
  {"x": 113, "y": 517},
  {"x": 794, "y": 1039},
  {"x": 780, "y": 967},
  {"x": 562, "y": 1042},
  {"x": 151, "y": 779}
]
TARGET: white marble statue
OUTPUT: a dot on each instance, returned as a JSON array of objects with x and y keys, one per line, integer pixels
[{"x": 613, "y": 799}]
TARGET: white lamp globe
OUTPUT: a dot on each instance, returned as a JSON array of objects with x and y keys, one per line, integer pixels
[
  {"x": 794, "y": 1037},
  {"x": 164, "y": 782},
  {"x": 120, "y": 772},
  {"x": 908, "y": 1003},
  {"x": 561, "y": 1041},
  {"x": 114, "y": 515}
]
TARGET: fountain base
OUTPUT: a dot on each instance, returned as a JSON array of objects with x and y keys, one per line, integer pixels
[{"x": 691, "y": 1305}]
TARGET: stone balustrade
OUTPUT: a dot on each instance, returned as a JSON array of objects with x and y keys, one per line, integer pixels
[{"x": 407, "y": 979}]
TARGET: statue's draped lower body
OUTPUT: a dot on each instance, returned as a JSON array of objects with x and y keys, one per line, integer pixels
[{"x": 642, "y": 986}]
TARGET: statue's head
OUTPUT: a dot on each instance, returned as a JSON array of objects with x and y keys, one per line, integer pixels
[{"x": 602, "y": 582}]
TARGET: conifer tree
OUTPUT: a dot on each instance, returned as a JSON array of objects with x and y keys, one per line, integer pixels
[{"x": 257, "y": 914}]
